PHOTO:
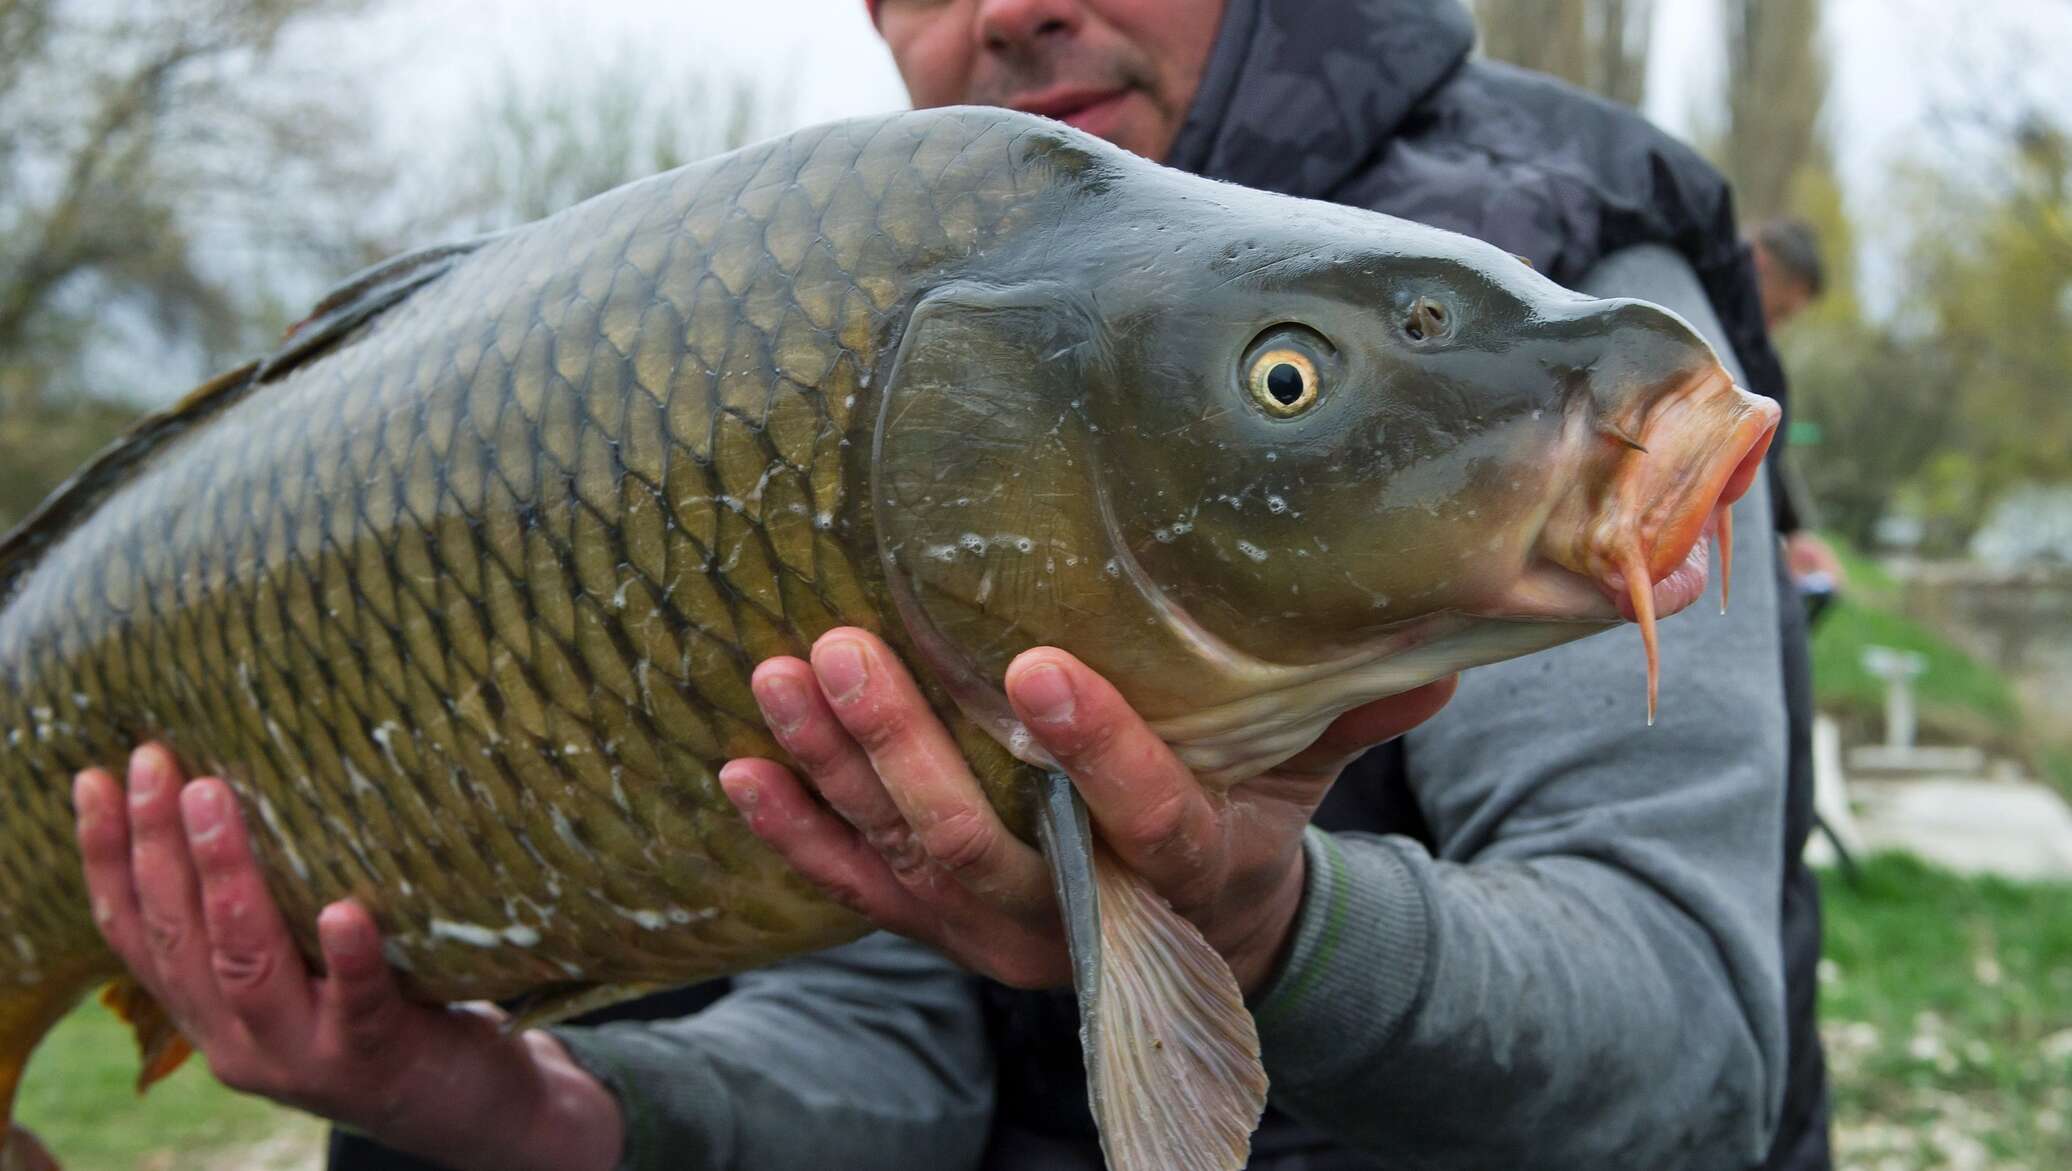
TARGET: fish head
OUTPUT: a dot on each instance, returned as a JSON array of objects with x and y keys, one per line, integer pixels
[{"x": 1293, "y": 457}]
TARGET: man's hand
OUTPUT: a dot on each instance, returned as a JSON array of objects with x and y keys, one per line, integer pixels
[
  {"x": 177, "y": 894},
  {"x": 907, "y": 839}
]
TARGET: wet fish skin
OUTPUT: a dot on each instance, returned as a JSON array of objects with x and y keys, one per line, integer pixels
[
  {"x": 465, "y": 608},
  {"x": 461, "y": 592}
]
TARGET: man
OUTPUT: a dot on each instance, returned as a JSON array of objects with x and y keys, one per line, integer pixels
[
  {"x": 1789, "y": 272},
  {"x": 1570, "y": 950},
  {"x": 1790, "y": 276}
]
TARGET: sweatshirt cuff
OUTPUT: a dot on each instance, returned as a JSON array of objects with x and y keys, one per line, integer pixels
[
  {"x": 676, "y": 1109},
  {"x": 1357, "y": 964}
]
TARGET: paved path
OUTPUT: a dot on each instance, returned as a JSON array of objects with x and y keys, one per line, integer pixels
[
  {"x": 2015, "y": 829},
  {"x": 2011, "y": 828}
]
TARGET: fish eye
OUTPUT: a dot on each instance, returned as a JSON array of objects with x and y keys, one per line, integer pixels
[{"x": 1284, "y": 381}]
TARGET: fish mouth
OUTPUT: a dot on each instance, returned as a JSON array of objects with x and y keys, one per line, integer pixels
[{"x": 1637, "y": 544}]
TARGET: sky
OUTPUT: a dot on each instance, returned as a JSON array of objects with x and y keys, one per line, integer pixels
[
  {"x": 424, "y": 67},
  {"x": 1895, "y": 62},
  {"x": 421, "y": 68}
]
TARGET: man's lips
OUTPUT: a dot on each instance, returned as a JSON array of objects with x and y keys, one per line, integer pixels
[{"x": 1079, "y": 106}]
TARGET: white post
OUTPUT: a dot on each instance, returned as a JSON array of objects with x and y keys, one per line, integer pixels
[{"x": 1898, "y": 669}]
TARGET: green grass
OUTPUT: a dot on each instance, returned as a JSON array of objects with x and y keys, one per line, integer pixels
[
  {"x": 1959, "y": 697},
  {"x": 2057, "y": 767},
  {"x": 80, "y": 1097},
  {"x": 1867, "y": 579},
  {"x": 1957, "y": 694},
  {"x": 1947, "y": 1007}
]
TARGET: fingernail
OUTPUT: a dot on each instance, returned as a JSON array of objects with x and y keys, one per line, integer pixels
[
  {"x": 1045, "y": 694},
  {"x": 740, "y": 789},
  {"x": 783, "y": 701},
  {"x": 146, "y": 777},
  {"x": 842, "y": 670},
  {"x": 339, "y": 933},
  {"x": 202, "y": 808},
  {"x": 83, "y": 807}
]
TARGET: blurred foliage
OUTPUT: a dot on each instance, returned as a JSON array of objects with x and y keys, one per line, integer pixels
[
  {"x": 44, "y": 439},
  {"x": 1959, "y": 698},
  {"x": 1777, "y": 81},
  {"x": 1961, "y": 393},
  {"x": 1601, "y": 45},
  {"x": 1996, "y": 295},
  {"x": 1948, "y": 1018},
  {"x": 532, "y": 150},
  {"x": 130, "y": 136},
  {"x": 130, "y": 140},
  {"x": 130, "y": 222}
]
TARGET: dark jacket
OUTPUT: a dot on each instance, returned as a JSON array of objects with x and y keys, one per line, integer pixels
[{"x": 1377, "y": 104}]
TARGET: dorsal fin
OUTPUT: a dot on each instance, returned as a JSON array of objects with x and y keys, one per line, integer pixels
[{"x": 358, "y": 300}]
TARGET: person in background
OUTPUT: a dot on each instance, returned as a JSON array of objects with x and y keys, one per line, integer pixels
[
  {"x": 1527, "y": 933},
  {"x": 1791, "y": 276}
]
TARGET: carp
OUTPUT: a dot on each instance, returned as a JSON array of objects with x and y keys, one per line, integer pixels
[{"x": 460, "y": 589}]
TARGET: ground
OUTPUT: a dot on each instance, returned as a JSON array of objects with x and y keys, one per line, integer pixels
[
  {"x": 80, "y": 1096},
  {"x": 1947, "y": 1011}
]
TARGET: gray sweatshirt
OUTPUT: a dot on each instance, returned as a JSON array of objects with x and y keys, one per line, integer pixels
[{"x": 1585, "y": 974}]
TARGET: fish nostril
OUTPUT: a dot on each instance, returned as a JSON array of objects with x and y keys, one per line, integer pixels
[{"x": 1427, "y": 320}]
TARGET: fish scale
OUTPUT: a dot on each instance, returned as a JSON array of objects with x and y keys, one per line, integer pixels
[
  {"x": 462, "y": 587},
  {"x": 465, "y": 607}
]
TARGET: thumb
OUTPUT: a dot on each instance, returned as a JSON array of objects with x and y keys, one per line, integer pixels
[{"x": 360, "y": 993}]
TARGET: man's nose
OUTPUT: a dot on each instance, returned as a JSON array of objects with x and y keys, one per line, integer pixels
[{"x": 1007, "y": 25}]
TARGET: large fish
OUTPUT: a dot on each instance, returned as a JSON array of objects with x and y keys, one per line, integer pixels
[{"x": 462, "y": 587}]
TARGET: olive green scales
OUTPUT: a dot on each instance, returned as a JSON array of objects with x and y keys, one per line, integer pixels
[{"x": 462, "y": 588}]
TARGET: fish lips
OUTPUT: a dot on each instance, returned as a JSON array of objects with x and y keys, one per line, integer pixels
[{"x": 1669, "y": 497}]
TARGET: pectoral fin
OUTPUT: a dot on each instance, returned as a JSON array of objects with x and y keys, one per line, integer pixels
[{"x": 1172, "y": 1056}]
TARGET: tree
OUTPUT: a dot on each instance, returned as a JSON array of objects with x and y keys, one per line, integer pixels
[
  {"x": 130, "y": 137},
  {"x": 164, "y": 193},
  {"x": 1601, "y": 45},
  {"x": 1883, "y": 409},
  {"x": 149, "y": 165},
  {"x": 1995, "y": 292},
  {"x": 1777, "y": 81},
  {"x": 533, "y": 150}
]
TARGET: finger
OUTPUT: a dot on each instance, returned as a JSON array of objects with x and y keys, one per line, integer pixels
[
  {"x": 1369, "y": 724},
  {"x": 259, "y": 972},
  {"x": 834, "y": 764},
  {"x": 104, "y": 847},
  {"x": 1024, "y": 951},
  {"x": 358, "y": 1000},
  {"x": 924, "y": 771},
  {"x": 168, "y": 896},
  {"x": 1150, "y": 809},
  {"x": 820, "y": 845}
]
